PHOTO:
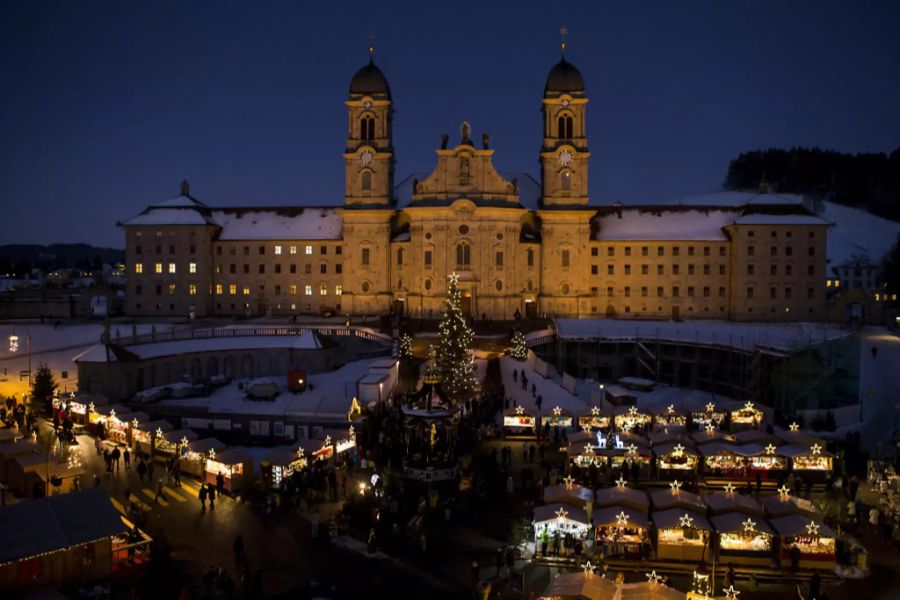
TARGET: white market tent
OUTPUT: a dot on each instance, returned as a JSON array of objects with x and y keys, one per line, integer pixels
[{"x": 575, "y": 495}]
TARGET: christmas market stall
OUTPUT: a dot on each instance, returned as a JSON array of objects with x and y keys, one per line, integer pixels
[
  {"x": 280, "y": 463},
  {"x": 621, "y": 532},
  {"x": 675, "y": 459},
  {"x": 559, "y": 529},
  {"x": 621, "y": 495},
  {"x": 674, "y": 497},
  {"x": 578, "y": 585},
  {"x": 811, "y": 461},
  {"x": 519, "y": 423},
  {"x": 730, "y": 501},
  {"x": 233, "y": 463},
  {"x": 315, "y": 449},
  {"x": 60, "y": 541},
  {"x": 666, "y": 415},
  {"x": 569, "y": 493},
  {"x": 722, "y": 460},
  {"x": 631, "y": 420},
  {"x": 111, "y": 422},
  {"x": 193, "y": 460},
  {"x": 814, "y": 540},
  {"x": 743, "y": 539},
  {"x": 558, "y": 419},
  {"x": 9, "y": 452},
  {"x": 174, "y": 443},
  {"x": 143, "y": 437},
  {"x": 710, "y": 417},
  {"x": 747, "y": 416},
  {"x": 592, "y": 418},
  {"x": 682, "y": 535},
  {"x": 783, "y": 504}
]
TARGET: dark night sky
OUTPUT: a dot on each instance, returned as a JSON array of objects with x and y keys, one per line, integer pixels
[{"x": 106, "y": 106}]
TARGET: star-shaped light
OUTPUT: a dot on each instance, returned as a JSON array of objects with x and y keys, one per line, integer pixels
[
  {"x": 520, "y": 410},
  {"x": 731, "y": 593},
  {"x": 588, "y": 568},
  {"x": 812, "y": 529},
  {"x": 588, "y": 449},
  {"x": 620, "y": 483},
  {"x": 134, "y": 423},
  {"x": 300, "y": 454},
  {"x": 632, "y": 449},
  {"x": 327, "y": 441},
  {"x": 112, "y": 413},
  {"x": 794, "y": 426},
  {"x": 633, "y": 411},
  {"x": 770, "y": 449},
  {"x": 653, "y": 578},
  {"x": 784, "y": 491},
  {"x": 159, "y": 432},
  {"x": 351, "y": 432},
  {"x": 815, "y": 449},
  {"x": 687, "y": 521},
  {"x": 710, "y": 407},
  {"x": 622, "y": 519},
  {"x": 595, "y": 411},
  {"x": 91, "y": 407},
  {"x": 749, "y": 525},
  {"x": 184, "y": 440},
  {"x": 212, "y": 454},
  {"x": 568, "y": 480},
  {"x": 710, "y": 428},
  {"x": 454, "y": 278},
  {"x": 678, "y": 451},
  {"x": 749, "y": 406},
  {"x": 561, "y": 514},
  {"x": 671, "y": 409},
  {"x": 729, "y": 488},
  {"x": 557, "y": 411},
  {"x": 675, "y": 486}
]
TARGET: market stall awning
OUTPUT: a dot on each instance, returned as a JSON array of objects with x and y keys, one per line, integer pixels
[
  {"x": 176, "y": 436},
  {"x": 734, "y": 522},
  {"x": 562, "y": 493},
  {"x": 582, "y": 585},
  {"x": 612, "y": 516},
  {"x": 795, "y": 450},
  {"x": 152, "y": 426},
  {"x": 800, "y": 438},
  {"x": 673, "y": 519},
  {"x": 205, "y": 445},
  {"x": 671, "y": 447},
  {"x": 281, "y": 455},
  {"x": 758, "y": 436},
  {"x": 780, "y": 506},
  {"x": 624, "y": 496},
  {"x": 793, "y": 525},
  {"x": 552, "y": 512},
  {"x": 234, "y": 455},
  {"x": 665, "y": 499},
  {"x": 722, "y": 502},
  {"x": 701, "y": 438},
  {"x": 648, "y": 591},
  {"x": 674, "y": 434}
]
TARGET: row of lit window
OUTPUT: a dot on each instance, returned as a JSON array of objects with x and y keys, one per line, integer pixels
[
  {"x": 292, "y": 290},
  {"x": 660, "y": 292},
  {"x": 192, "y": 289},
  {"x": 660, "y": 269},
  {"x": 281, "y": 250},
  {"x": 660, "y": 251},
  {"x": 788, "y": 251},
  {"x": 158, "y": 268},
  {"x": 261, "y": 268},
  {"x": 885, "y": 297}
]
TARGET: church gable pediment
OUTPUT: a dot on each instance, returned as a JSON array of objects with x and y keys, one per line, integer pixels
[{"x": 465, "y": 172}]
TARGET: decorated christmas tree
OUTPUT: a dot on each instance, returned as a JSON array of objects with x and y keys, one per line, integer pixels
[
  {"x": 455, "y": 359},
  {"x": 405, "y": 349},
  {"x": 519, "y": 350}
]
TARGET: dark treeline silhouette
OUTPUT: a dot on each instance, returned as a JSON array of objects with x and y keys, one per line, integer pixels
[
  {"x": 19, "y": 259},
  {"x": 870, "y": 181}
]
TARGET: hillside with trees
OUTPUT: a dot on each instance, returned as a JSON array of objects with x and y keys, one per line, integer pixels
[{"x": 20, "y": 259}]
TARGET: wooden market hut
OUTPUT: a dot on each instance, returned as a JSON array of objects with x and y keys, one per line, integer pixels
[
  {"x": 143, "y": 438},
  {"x": 621, "y": 531},
  {"x": 280, "y": 463},
  {"x": 778, "y": 505},
  {"x": 174, "y": 443},
  {"x": 815, "y": 540},
  {"x": 235, "y": 464},
  {"x": 592, "y": 418},
  {"x": 519, "y": 422},
  {"x": 743, "y": 539},
  {"x": 60, "y": 541},
  {"x": 682, "y": 535},
  {"x": 557, "y": 527},
  {"x": 633, "y": 498},
  {"x": 575, "y": 495},
  {"x": 809, "y": 462},
  {"x": 676, "y": 460},
  {"x": 9, "y": 452},
  {"x": 666, "y": 499},
  {"x": 194, "y": 460},
  {"x": 725, "y": 502}
]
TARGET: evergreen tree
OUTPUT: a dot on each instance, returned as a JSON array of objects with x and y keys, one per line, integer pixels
[
  {"x": 455, "y": 359},
  {"x": 405, "y": 349},
  {"x": 519, "y": 350},
  {"x": 42, "y": 390}
]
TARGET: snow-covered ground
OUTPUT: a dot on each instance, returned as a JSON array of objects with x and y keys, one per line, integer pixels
[
  {"x": 879, "y": 381},
  {"x": 54, "y": 346}
]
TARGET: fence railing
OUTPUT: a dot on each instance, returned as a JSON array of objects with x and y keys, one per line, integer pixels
[{"x": 199, "y": 333}]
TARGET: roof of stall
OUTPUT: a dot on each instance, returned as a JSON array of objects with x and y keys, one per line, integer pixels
[
  {"x": 671, "y": 518},
  {"x": 791, "y": 525},
  {"x": 776, "y": 506},
  {"x": 550, "y": 512},
  {"x": 206, "y": 444},
  {"x": 625, "y": 496},
  {"x": 665, "y": 499},
  {"x": 562, "y": 493},
  {"x": 176, "y": 435},
  {"x": 608, "y": 516},
  {"x": 734, "y": 521},
  {"x": 669, "y": 447},
  {"x": 721, "y": 502},
  {"x": 234, "y": 455},
  {"x": 578, "y": 584}
]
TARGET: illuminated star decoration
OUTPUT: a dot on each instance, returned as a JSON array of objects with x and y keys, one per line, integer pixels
[
  {"x": 91, "y": 407},
  {"x": 784, "y": 491},
  {"x": 212, "y": 453},
  {"x": 561, "y": 514},
  {"x": 729, "y": 488},
  {"x": 557, "y": 411},
  {"x": 159, "y": 432},
  {"x": 632, "y": 412},
  {"x": 676, "y": 486},
  {"x": 816, "y": 449},
  {"x": 300, "y": 454},
  {"x": 749, "y": 407},
  {"x": 595, "y": 411},
  {"x": 710, "y": 427},
  {"x": 351, "y": 432},
  {"x": 731, "y": 593},
  {"x": 710, "y": 407},
  {"x": 520, "y": 410},
  {"x": 568, "y": 480},
  {"x": 622, "y": 519},
  {"x": 687, "y": 521},
  {"x": 652, "y": 577},
  {"x": 632, "y": 449},
  {"x": 678, "y": 451},
  {"x": 620, "y": 483},
  {"x": 112, "y": 413},
  {"x": 812, "y": 529},
  {"x": 770, "y": 449},
  {"x": 588, "y": 568},
  {"x": 794, "y": 426},
  {"x": 454, "y": 278},
  {"x": 749, "y": 525},
  {"x": 184, "y": 441},
  {"x": 134, "y": 423},
  {"x": 671, "y": 409},
  {"x": 588, "y": 449},
  {"x": 327, "y": 441}
]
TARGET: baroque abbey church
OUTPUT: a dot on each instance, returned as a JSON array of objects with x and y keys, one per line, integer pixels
[{"x": 521, "y": 247}]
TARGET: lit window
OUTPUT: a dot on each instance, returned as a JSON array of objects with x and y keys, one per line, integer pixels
[
  {"x": 171, "y": 289},
  {"x": 277, "y": 249},
  {"x": 232, "y": 289},
  {"x": 171, "y": 267},
  {"x": 292, "y": 290},
  {"x": 293, "y": 250},
  {"x": 323, "y": 290},
  {"x": 218, "y": 289},
  {"x": 246, "y": 290},
  {"x": 139, "y": 268},
  {"x": 309, "y": 249},
  {"x": 309, "y": 290},
  {"x": 192, "y": 267},
  {"x": 828, "y": 283},
  {"x": 157, "y": 267},
  {"x": 192, "y": 290},
  {"x": 338, "y": 290}
]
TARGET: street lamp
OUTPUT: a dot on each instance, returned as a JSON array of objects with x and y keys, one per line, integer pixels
[
  {"x": 601, "y": 394},
  {"x": 14, "y": 347}
]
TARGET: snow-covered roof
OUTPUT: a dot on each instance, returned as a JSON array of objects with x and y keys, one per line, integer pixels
[
  {"x": 721, "y": 502},
  {"x": 779, "y": 219},
  {"x": 671, "y": 519},
  {"x": 563, "y": 493},
  {"x": 626, "y": 496},
  {"x": 608, "y": 516},
  {"x": 660, "y": 223},
  {"x": 665, "y": 499},
  {"x": 169, "y": 216},
  {"x": 734, "y": 521},
  {"x": 792, "y": 525},
  {"x": 549, "y": 512},
  {"x": 779, "y": 506},
  {"x": 278, "y": 223}
]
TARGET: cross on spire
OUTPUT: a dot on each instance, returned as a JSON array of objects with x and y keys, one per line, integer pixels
[
  {"x": 371, "y": 47},
  {"x": 563, "y": 32}
]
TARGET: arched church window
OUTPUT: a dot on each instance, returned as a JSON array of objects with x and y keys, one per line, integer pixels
[
  {"x": 427, "y": 284},
  {"x": 530, "y": 258},
  {"x": 367, "y": 128},
  {"x": 463, "y": 255},
  {"x": 464, "y": 170},
  {"x": 564, "y": 127},
  {"x": 565, "y": 180},
  {"x": 366, "y": 182}
]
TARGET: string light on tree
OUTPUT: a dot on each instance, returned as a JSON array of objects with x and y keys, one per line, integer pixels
[
  {"x": 456, "y": 361},
  {"x": 519, "y": 349},
  {"x": 405, "y": 350}
]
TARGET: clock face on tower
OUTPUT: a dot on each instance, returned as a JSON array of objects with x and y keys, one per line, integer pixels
[
  {"x": 366, "y": 158},
  {"x": 565, "y": 158},
  {"x": 367, "y": 104},
  {"x": 565, "y": 102}
]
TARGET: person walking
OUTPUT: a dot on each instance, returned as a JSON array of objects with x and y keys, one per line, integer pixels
[
  {"x": 141, "y": 469},
  {"x": 127, "y": 457},
  {"x": 116, "y": 454},
  {"x": 202, "y": 495},
  {"x": 220, "y": 483},
  {"x": 159, "y": 491},
  {"x": 212, "y": 497}
]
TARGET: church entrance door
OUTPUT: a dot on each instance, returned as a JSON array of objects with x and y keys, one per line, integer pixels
[{"x": 467, "y": 303}]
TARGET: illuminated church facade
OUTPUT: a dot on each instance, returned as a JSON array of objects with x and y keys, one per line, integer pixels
[{"x": 522, "y": 247}]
